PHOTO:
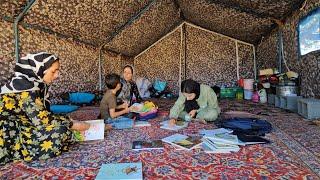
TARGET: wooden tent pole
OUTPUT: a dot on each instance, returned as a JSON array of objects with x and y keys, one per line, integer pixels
[
  {"x": 237, "y": 58},
  {"x": 254, "y": 62}
]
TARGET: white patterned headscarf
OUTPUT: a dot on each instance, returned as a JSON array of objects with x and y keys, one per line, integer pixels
[{"x": 29, "y": 72}]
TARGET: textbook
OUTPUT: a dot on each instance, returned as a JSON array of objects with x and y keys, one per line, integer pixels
[
  {"x": 213, "y": 132},
  {"x": 117, "y": 171},
  {"x": 147, "y": 145},
  {"x": 225, "y": 139},
  {"x": 95, "y": 132},
  {"x": 183, "y": 142},
  {"x": 208, "y": 149}
]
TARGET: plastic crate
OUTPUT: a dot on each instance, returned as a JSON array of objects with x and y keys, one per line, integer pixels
[
  {"x": 291, "y": 103},
  {"x": 271, "y": 99},
  {"x": 309, "y": 108},
  {"x": 230, "y": 92},
  {"x": 277, "y": 101}
]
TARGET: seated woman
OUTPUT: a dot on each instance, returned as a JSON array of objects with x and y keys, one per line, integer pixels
[
  {"x": 128, "y": 88},
  {"x": 28, "y": 131},
  {"x": 197, "y": 101}
]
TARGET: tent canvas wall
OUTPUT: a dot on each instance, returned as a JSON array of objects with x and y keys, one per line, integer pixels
[{"x": 76, "y": 30}]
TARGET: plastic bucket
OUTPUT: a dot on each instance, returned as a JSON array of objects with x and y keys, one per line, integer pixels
[
  {"x": 247, "y": 94},
  {"x": 248, "y": 84}
]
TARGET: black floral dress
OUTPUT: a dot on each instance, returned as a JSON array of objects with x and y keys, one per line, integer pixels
[{"x": 28, "y": 131}]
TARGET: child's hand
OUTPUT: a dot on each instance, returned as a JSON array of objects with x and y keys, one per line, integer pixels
[
  {"x": 132, "y": 108},
  {"x": 192, "y": 113},
  {"x": 172, "y": 122},
  {"x": 125, "y": 105},
  {"x": 127, "y": 110}
]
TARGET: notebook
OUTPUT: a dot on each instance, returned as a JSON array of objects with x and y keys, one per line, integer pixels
[
  {"x": 120, "y": 171},
  {"x": 95, "y": 132},
  {"x": 183, "y": 141},
  {"x": 147, "y": 145}
]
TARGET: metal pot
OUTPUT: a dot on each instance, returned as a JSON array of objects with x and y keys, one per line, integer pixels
[{"x": 287, "y": 90}]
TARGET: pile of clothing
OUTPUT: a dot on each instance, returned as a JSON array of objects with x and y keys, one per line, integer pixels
[{"x": 146, "y": 110}]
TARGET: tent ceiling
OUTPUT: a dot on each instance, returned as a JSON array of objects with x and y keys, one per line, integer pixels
[{"x": 130, "y": 26}]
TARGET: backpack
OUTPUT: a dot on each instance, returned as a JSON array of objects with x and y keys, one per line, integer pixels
[
  {"x": 159, "y": 85},
  {"x": 248, "y": 126}
]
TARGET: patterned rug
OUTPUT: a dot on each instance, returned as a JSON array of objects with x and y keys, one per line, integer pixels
[{"x": 293, "y": 153}]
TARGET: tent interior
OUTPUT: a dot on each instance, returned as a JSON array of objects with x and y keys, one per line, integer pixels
[{"x": 214, "y": 42}]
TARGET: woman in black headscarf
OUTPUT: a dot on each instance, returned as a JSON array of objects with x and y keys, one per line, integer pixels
[
  {"x": 28, "y": 131},
  {"x": 196, "y": 101}
]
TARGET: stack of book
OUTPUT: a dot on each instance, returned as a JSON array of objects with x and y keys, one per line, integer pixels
[{"x": 222, "y": 141}]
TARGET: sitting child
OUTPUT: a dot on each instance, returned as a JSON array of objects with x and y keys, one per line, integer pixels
[{"x": 109, "y": 107}]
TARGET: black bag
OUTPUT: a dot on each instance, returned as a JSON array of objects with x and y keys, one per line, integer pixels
[{"x": 248, "y": 126}]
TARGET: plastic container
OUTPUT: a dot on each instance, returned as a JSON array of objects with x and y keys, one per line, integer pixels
[
  {"x": 248, "y": 84},
  {"x": 240, "y": 82},
  {"x": 239, "y": 94},
  {"x": 263, "y": 96},
  {"x": 287, "y": 90},
  {"x": 248, "y": 94},
  {"x": 255, "y": 97}
]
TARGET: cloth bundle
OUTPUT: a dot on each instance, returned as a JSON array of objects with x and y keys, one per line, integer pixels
[{"x": 146, "y": 110}]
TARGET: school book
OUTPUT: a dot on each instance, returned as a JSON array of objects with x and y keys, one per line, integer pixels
[
  {"x": 183, "y": 141},
  {"x": 225, "y": 139},
  {"x": 95, "y": 132},
  {"x": 212, "y": 132},
  {"x": 141, "y": 123},
  {"x": 209, "y": 150},
  {"x": 180, "y": 124},
  {"x": 147, "y": 145},
  {"x": 228, "y": 147},
  {"x": 120, "y": 171}
]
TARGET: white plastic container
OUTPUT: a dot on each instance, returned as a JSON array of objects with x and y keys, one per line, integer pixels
[
  {"x": 248, "y": 94},
  {"x": 248, "y": 84}
]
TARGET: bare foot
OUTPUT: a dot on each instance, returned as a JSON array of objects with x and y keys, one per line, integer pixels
[{"x": 80, "y": 126}]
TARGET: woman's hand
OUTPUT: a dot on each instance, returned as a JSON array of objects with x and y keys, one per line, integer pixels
[
  {"x": 124, "y": 105},
  {"x": 80, "y": 126},
  {"x": 192, "y": 113},
  {"x": 172, "y": 122}
]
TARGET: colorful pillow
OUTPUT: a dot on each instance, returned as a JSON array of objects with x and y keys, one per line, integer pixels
[
  {"x": 63, "y": 109},
  {"x": 81, "y": 98}
]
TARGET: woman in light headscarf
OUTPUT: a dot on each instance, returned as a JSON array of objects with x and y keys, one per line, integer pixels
[{"x": 28, "y": 131}]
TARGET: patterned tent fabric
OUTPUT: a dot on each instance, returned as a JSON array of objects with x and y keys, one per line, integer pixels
[
  {"x": 134, "y": 25},
  {"x": 306, "y": 66}
]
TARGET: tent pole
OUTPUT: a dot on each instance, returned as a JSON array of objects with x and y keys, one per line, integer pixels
[
  {"x": 15, "y": 27},
  {"x": 100, "y": 69},
  {"x": 254, "y": 63},
  {"x": 237, "y": 58}
]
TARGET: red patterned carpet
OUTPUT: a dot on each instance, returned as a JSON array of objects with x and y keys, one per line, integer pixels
[{"x": 293, "y": 153}]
